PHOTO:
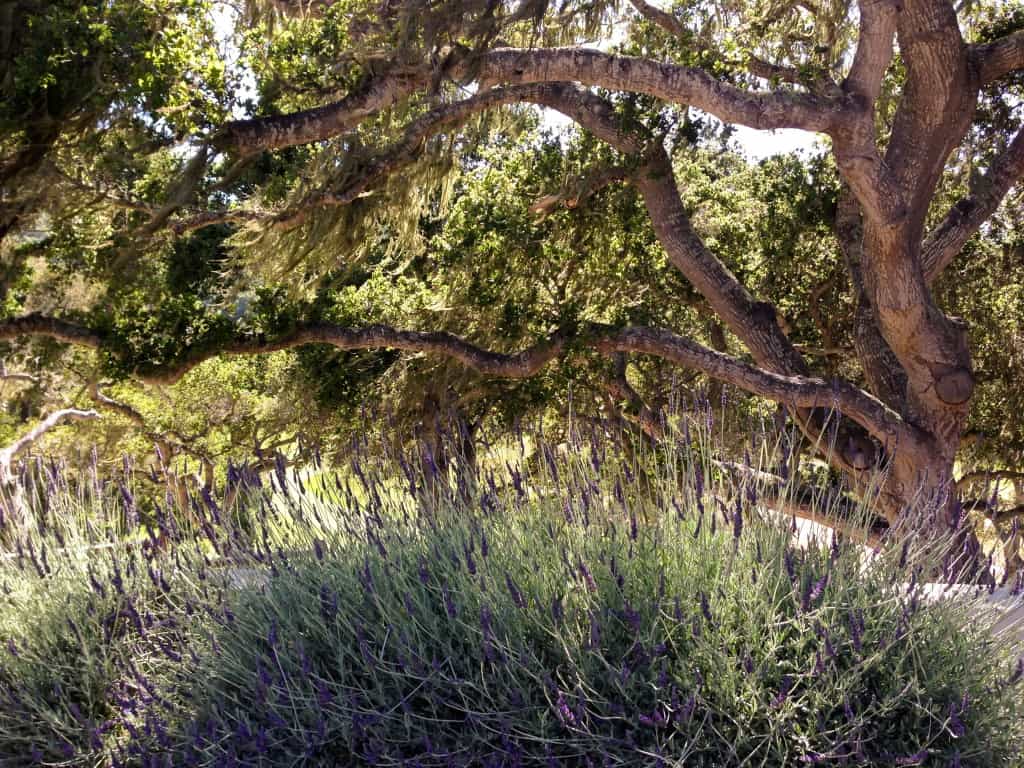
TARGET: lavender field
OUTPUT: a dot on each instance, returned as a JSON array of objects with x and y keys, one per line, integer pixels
[{"x": 570, "y": 605}]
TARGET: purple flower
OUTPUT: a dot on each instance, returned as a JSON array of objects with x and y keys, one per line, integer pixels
[
  {"x": 513, "y": 590},
  {"x": 564, "y": 713},
  {"x": 588, "y": 578},
  {"x": 785, "y": 686},
  {"x": 956, "y": 725},
  {"x": 318, "y": 549},
  {"x": 737, "y": 522},
  {"x": 856, "y": 622},
  {"x": 787, "y": 560},
  {"x": 684, "y": 713},
  {"x": 557, "y": 612},
  {"x": 915, "y": 759},
  {"x": 705, "y": 608},
  {"x": 631, "y": 617}
]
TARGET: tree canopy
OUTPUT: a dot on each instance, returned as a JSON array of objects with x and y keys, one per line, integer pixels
[{"x": 229, "y": 228}]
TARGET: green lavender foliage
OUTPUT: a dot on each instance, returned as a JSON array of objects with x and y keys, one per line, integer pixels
[{"x": 601, "y": 608}]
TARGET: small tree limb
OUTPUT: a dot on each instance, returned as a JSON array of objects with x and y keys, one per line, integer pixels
[
  {"x": 55, "y": 419},
  {"x": 999, "y": 58},
  {"x": 965, "y": 218}
]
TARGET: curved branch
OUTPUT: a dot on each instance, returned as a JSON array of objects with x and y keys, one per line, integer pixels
[
  {"x": 5, "y": 375},
  {"x": 663, "y": 19},
  {"x": 799, "y": 391},
  {"x": 399, "y": 155},
  {"x": 278, "y": 131},
  {"x": 36, "y": 324},
  {"x": 965, "y": 218},
  {"x": 989, "y": 474},
  {"x": 677, "y": 84},
  {"x": 690, "y": 86},
  {"x": 810, "y": 504},
  {"x": 636, "y": 409},
  {"x": 55, "y": 419},
  {"x": 135, "y": 416},
  {"x": 998, "y": 58},
  {"x": 856, "y": 144}
]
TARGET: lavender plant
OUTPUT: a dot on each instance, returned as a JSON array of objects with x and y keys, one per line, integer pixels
[{"x": 605, "y": 608}]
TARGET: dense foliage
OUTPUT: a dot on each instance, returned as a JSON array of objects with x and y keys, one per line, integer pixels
[{"x": 597, "y": 610}]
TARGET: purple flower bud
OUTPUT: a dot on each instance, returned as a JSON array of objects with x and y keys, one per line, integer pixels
[
  {"x": 819, "y": 664},
  {"x": 705, "y": 608},
  {"x": 564, "y": 713},
  {"x": 513, "y": 590},
  {"x": 318, "y": 549},
  {"x": 588, "y": 578},
  {"x": 631, "y": 617},
  {"x": 737, "y": 522},
  {"x": 785, "y": 686},
  {"x": 684, "y": 714},
  {"x": 915, "y": 759},
  {"x": 856, "y": 623}
]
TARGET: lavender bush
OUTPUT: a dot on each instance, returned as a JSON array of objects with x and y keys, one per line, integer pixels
[{"x": 597, "y": 611}]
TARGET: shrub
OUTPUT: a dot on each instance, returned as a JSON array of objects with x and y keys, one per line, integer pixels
[{"x": 588, "y": 614}]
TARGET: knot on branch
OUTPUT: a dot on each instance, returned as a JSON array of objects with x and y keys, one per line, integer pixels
[{"x": 955, "y": 387}]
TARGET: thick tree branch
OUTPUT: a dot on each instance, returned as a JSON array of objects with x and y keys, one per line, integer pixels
[
  {"x": 799, "y": 391},
  {"x": 320, "y": 123},
  {"x": 874, "y": 50},
  {"x": 401, "y": 154},
  {"x": 856, "y": 142},
  {"x": 883, "y": 373},
  {"x": 937, "y": 103},
  {"x": 676, "y": 84},
  {"x": 998, "y": 58},
  {"x": 49, "y": 327},
  {"x": 752, "y": 321},
  {"x": 965, "y": 218}
]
